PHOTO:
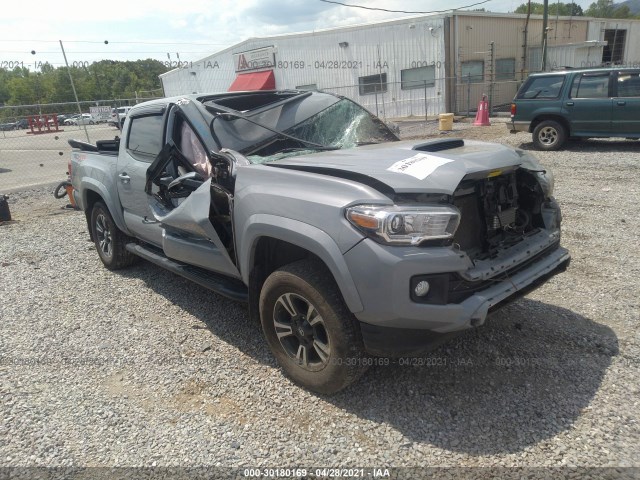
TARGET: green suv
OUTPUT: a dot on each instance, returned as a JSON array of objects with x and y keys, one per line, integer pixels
[{"x": 556, "y": 106}]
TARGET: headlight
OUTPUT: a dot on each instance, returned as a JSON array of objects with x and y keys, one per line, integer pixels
[{"x": 402, "y": 225}]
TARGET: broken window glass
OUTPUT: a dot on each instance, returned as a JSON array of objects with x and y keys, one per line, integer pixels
[{"x": 342, "y": 125}]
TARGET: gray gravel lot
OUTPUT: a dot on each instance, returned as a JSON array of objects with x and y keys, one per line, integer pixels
[{"x": 142, "y": 368}]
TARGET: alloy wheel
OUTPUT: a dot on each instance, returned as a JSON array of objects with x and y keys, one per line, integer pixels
[
  {"x": 104, "y": 237},
  {"x": 301, "y": 331}
]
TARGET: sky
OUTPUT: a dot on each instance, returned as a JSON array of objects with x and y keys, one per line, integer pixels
[{"x": 188, "y": 30}]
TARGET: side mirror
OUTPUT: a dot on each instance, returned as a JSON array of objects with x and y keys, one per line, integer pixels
[
  {"x": 227, "y": 175},
  {"x": 237, "y": 157}
]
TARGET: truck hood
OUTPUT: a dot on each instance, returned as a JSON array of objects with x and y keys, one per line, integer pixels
[{"x": 409, "y": 166}]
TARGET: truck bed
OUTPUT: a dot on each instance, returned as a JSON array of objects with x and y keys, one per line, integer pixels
[{"x": 109, "y": 147}]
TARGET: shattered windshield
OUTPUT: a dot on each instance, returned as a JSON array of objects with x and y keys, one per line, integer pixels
[{"x": 344, "y": 124}]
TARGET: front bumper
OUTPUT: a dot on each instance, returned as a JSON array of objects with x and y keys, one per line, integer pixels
[
  {"x": 383, "y": 276},
  {"x": 399, "y": 342},
  {"x": 518, "y": 126}
]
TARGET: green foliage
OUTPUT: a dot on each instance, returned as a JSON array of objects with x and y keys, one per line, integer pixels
[
  {"x": 104, "y": 80},
  {"x": 608, "y": 9},
  {"x": 562, "y": 9}
]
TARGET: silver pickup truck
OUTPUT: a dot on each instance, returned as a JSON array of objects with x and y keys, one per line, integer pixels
[{"x": 345, "y": 242}]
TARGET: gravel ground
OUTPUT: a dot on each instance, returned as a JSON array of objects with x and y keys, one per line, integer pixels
[{"x": 143, "y": 368}]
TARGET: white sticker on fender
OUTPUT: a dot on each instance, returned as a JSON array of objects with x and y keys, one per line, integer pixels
[{"x": 420, "y": 165}]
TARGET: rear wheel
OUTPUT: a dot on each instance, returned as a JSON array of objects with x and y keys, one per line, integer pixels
[
  {"x": 549, "y": 135},
  {"x": 109, "y": 240},
  {"x": 312, "y": 334}
]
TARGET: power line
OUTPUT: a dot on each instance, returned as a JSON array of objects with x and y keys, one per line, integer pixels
[
  {"x": 402, "y": 11},
  {"x": 159, "y": 52},
  {"x": 93, "y": 41},
  {"x": 172, "y": 43}
]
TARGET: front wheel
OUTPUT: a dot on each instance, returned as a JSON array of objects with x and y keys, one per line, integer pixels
[
  {"x": 109, "y": 240},
  {"x": 549, "y": 135},
  {"x": 312, "y": 334}
]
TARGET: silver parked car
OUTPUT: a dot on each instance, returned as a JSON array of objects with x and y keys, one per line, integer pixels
[{"x": 84, "y": 119}]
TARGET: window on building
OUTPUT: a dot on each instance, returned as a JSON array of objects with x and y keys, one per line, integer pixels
[
  {"x": 613, "y": 51},
  {"x": 590, "y": 86},
  {"x": 145, "y": 137},
  {"x": 311, "y": 87},
  {"x": 472, "y": 71},
  {"x": 505, "y": 69},
  {"x": 629, "y": 84},
  {"x": 373, "y": 84},
  {"x": 418, "y": 77}
]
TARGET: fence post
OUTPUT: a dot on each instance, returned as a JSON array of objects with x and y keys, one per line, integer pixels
[
  {"x": 469, "y": 94},
  {"x": 377, "y": 114},
  {"x": 492, "y": 75},
  {"x": 426, "y": 115}
]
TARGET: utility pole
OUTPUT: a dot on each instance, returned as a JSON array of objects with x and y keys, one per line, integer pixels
[
  {"x": 492, "y": 73},
  {"x": 75, "y": 94},
  {"x": 524, "y": 44},
  {"x": 545, "y": 18}
]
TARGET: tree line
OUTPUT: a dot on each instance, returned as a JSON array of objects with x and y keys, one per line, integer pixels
[
  {"x": 598, "y": 9},
  {"x": 104, "y": 80}
]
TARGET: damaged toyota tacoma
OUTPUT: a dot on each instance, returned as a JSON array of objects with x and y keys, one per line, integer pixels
[{"x": 345, "y": 242}]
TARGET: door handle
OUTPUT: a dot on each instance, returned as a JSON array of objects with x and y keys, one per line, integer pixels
[
  {"x": 622, "y": 104},
  {"x": 569, "y": 104},
  {"x": 124, "y": 178},
  {"x": 146, "y": 221}
]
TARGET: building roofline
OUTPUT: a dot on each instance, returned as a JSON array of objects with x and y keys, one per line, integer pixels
[
  {"x": 344, "y": 28},
  {"x": 407, "y": 19}
]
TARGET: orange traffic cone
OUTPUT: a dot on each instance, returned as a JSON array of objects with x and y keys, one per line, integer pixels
[{"x": 482, "y": 117}]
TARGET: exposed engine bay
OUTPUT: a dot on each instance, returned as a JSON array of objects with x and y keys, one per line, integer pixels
[{"x": 498, "y": 212}]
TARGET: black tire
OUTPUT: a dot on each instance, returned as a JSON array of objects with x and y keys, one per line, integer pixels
[
  {"x": 109, "y": 240},
  {"x": 60, "y": 191},
  {"x": 333, "y": 332},
  {"x": 549, "y": 135}
]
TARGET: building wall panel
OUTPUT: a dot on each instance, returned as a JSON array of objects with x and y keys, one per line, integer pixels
[{"x": 318, "y": 58}]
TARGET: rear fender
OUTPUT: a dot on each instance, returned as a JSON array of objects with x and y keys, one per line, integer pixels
[{"x": 89, "y": 184}]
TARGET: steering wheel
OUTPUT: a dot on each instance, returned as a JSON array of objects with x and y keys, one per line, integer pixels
[{"x": 185, "y": 184}]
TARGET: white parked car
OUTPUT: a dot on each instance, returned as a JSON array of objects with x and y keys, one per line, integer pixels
[{"x": 85, "y": 119}]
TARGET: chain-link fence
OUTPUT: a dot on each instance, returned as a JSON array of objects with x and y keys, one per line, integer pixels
[
  {"x": 425, "y": 101},
  {"x": 392, "y": 100},
  {"x": 499, "y": 96},
  {"x": 34, "y": 147}
]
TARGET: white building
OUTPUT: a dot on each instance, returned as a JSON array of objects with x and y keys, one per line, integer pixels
[{"x": 412, "y": 66}]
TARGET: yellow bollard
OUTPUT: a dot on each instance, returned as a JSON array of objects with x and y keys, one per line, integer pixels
[{"x": 445, "y": 122}]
